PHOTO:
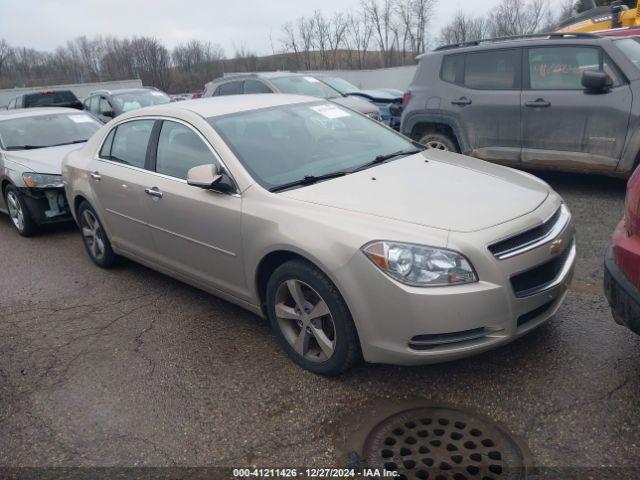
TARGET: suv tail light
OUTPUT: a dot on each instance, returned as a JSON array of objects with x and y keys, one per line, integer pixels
[
  {"x": 405, "y": 98},
  {"x": 632, "y": 204}
]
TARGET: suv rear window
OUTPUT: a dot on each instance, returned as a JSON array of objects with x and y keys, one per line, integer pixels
[
  {"x": 51, "y": 99},
  {"x": 493, "y": 70},
  {"x": 452, "y": 66}
]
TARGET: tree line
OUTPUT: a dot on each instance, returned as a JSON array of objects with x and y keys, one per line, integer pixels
[{"x": 378, "y": 33}]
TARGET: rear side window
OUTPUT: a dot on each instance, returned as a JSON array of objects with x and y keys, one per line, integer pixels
[
  {"x": 48, "y": 99},
  {"x": 129, "y": 143},
  {"x": 254, "y": 86},
  {"x": 493, "y": 70},
  {"x": 231, "y": 88},
  {"x": 105, "y": 151},
  {"x": 561, "y": 68},
  {"x": 452, "y": 68},
  {"x": 179, "y": 150}
]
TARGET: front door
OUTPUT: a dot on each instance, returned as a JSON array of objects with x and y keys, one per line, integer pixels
[
  {"x": 196, "y": 231},
  {"x": 564, "y": 125},
  {"x": 118, "y": 178}
]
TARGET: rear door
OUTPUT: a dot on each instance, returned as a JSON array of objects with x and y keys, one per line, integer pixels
[
  {"x": 196, "y": 232},
  {"x": 563, "y": 125},
  {"x": 485, "y": 99},
  {"x": 119, "y": 177}
]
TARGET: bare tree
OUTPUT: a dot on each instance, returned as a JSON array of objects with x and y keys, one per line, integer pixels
[
  {"x": 380, "y": 15},
  {"x": 463, "y": 28},
  {"x": 518, "y": 17},
  {"x": 358, "y": 39}
]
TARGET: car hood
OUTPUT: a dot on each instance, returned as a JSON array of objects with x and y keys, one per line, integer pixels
[
  {"x": 43, "y": 160},
  {"x": 378, "y": 95},
  {"x": 447, "y": 191},
  {"x": 359, "y": 104}
]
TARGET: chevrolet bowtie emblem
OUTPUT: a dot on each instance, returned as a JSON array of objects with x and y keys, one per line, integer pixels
[{"x": 555, "y": 247}]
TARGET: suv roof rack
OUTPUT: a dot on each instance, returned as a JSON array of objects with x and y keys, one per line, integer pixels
[{"x": 552, "y": 35}]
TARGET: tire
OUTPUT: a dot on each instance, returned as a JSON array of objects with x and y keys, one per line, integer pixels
[
  {"x": 94, "y": 237},
  {"x": 439, "y": 141},
  {"x": 330, "y": 339},
  {"x": 19, "y": 212}
]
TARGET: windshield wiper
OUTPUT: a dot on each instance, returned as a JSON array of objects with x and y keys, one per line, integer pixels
[
  {"x": 383, "y": 158},
  {"x": 66, "y": 143},
  {"x": 308, "y": 180},
  {"x": 25, "y": 147}
]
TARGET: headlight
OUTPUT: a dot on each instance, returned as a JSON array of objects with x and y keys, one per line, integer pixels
[
  {"x": 419, "y": 265},
  {"x": 374, "y": 115},
  {"x": 42, "y": 180}
]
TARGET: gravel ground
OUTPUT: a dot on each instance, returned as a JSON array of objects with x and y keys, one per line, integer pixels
[{"x": 130, "y": 367}]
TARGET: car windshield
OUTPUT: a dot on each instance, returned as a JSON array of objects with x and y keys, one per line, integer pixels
[
  {"x": 133, "y": 100},
  {"x": 341, "y": 84},
  {"x": 285, "y": 144},
  {"x": 630, "y": 47},
  {"x": 304, "y": 85},
  {"x": 40, "y": 131}
]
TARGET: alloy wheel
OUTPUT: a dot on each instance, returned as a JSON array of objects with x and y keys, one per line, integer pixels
[
  {"x": 92, "y": 234},
  {"x": 436, "y": 145},
  {"x": 305, "y": 321},
  {"x": 15, "y": 211}
]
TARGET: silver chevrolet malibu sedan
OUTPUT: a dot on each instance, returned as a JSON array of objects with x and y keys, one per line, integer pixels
[{"x": 353, "y": 241}]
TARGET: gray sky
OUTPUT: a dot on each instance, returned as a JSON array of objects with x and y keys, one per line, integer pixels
[{"x": 45, "y": 24}]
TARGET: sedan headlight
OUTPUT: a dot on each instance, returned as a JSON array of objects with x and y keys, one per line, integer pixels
[
  {"x": 375, "y": 116},
  {"x": 420, "y": 265},
  {"x": 42, "y": 180}
]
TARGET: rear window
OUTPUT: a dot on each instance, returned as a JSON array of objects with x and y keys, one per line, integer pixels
[
  {"x": 452, "y": 66},
  {"x": 231, "y": 88},
  {"x": 493, "y": 70},
  {"x": 50, "y": 99}
]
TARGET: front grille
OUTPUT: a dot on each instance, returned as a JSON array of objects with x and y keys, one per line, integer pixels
[
  {"x": 527, "y": 317},
  {"x": 527, "y": 238},
  {"x": 530, "y": 282}
]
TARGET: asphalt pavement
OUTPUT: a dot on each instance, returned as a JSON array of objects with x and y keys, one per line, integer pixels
[{"x": 128, "y": 367}]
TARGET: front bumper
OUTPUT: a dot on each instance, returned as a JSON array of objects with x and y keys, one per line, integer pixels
[
  {"x": 47, "y": 206},
  {"x": 406, "y": 325},
  {"x": 623, "y": 296}
]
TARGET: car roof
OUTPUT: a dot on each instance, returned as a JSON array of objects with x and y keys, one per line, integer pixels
[
  {"x": 35, "y": 112},
  {"x": 124, "y": 90},
  {"x": 217, "y": 106},
  {"x": 546, "y": 39},
  {"x": 266, "y": 75}
]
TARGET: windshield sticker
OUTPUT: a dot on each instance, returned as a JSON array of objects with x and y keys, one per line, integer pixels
[
  {"x": 312, "y": 80},
  {"x": 81, "y": 118},
  {"x": 330, "y": 111}
]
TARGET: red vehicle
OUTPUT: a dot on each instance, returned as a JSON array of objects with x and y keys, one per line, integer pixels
[{"x": 622, "y": 262}]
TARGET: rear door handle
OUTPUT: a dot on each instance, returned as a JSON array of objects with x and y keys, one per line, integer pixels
[
  {"x": 96, "y": 176},
  {"x": 154, "y": 192},
  {"x": 540, "y": 102},
  {"x": 462, "y": 102}
]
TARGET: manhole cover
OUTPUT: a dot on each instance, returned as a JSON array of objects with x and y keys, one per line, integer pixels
[{"x": 442, "y": 444}]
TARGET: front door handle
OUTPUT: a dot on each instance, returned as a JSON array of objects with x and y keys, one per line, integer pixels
[
  {"x": 96, "y": 176},
  {"x": 462, "y": 102},
  {"x": 154, "y": 192},
  {"x": 540, "y": 102}
]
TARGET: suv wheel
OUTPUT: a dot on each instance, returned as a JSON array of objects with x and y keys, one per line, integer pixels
[
  {"x": 439, "y": 141},
  {"x": 19, "y": 212},
  {"x": 311, "y": 320},
  {"x": 94, "y": 237}
]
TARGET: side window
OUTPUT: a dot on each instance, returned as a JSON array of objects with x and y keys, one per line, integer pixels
[
  {"x": 452, "y": 67},
  {"x": 12, "y": 104},
  {"x": 104, "y": 106},
  {"x": 179, "y": 150},
  {"x": 255, "y": 86},
  {"x": 105, "y": 151},
  {"x": 493, "y": 70},
  {"x": 130, "y": 141},
  {"x": 560, "y": 68},
  {"x": 93, "y": 104},
  {"x": 231, "y": 88}
]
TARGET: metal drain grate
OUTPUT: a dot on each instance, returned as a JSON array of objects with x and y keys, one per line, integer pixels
[{"x": 442, "y": 444}]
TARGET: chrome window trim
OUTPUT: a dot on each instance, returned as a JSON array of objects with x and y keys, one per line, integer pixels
[
  {"x": 215, "y": 154},
  {"x": 558, "y": 228}
]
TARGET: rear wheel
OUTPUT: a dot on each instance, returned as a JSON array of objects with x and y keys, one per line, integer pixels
[
  {"x": 19, "y": 212},
  {"x": 94, "y": 237},
  {"x": 310, "y": 319},
  {"x": 439, "y": 141}
]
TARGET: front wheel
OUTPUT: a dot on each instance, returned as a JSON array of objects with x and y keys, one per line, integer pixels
[
  {"x": 311, "y": 320},
  {"x": 94, "y": 237},
  {"x": 19, "y": 212}
]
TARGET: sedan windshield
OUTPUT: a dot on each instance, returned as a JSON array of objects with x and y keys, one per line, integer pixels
[
  {"x": 305, "y": 142},
  {"x": 303, "y": 85},
  {"x": 40, "y": 131},
  {"x": 631, "y": 49},
  {"x": 134, "y": 100}
]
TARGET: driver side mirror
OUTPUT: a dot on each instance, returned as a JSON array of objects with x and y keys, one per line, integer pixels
[
  {"x": 209, "y": 177},
  {"x": 596, "y": 81}
]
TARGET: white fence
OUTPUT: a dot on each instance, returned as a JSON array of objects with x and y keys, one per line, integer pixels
[
  {"x": 396, "y": 77},
  {"x": 80, "y": 89}
]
